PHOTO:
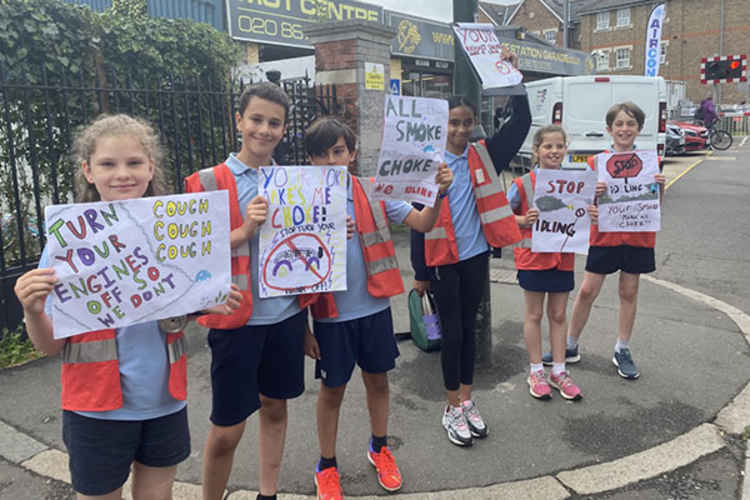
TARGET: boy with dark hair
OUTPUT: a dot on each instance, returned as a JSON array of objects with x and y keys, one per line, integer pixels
[
  {"x": 355, "y": 326},
  {"x": 257, "y": 354},
  {"x": 631, "y": 253}
]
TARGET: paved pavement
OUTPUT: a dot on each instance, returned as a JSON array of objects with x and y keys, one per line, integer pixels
[{"x": 674, "y": 433}]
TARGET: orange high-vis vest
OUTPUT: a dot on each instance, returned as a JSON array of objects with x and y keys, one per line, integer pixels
[
  {"x": 90, "y": 371},
  {"x": 645, "y": 239},
  {"x": 498, "y": 223},
  {"x": 218, "y": 178},
  {"x": 525, "y": 258},
  {"x": 383, "y": 274}
]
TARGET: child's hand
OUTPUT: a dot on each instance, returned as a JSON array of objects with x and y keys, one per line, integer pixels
[
  {"x": 33, "y": 287},
  {"x": 234, "y": 300},
  {"x": 444, "y": 177},
  {"x": 594, "y": 214},
  {"x": 421, "y": 286},
  {"x": 507, "y": 55},
  {"x": 349, "y": 227},
  {"x": 660, "y": 179},
  {"x": 601, "y": 188},
  {"x": 255, "y": 215},
  {"x": 532, "y": 216},
  {"x": 311, "y": 345}
]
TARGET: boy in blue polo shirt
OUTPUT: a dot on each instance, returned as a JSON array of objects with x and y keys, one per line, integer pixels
[{"x": 356, "y": 325}]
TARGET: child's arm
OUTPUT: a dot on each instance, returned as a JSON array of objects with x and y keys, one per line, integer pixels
[
  {"x": 423, "y": 220},
  {"x": 529, "y": 219},
  {"x": 234, "y": 300},
  {"x": 255, "y": 215},
  {"x": 661, "y": 181},
  {"x": 594, "y": 214},
  {"x": 32, "y": 290}
]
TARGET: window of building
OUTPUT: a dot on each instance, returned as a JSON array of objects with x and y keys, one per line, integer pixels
[
  {"x": 623, "y": 17},
  {"x": 663, "y": 45},
  {"x": 602, "y": 21},
  {"x": 601, "y": 59},
  {"x": 535, "y": 33},
  {"x": 622, "y": 58},
  {"x": 550, "y": 35}
]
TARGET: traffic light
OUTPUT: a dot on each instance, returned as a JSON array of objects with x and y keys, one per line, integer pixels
[{"x": 724, "y": 69}]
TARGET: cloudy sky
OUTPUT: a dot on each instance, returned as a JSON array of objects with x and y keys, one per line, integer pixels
[{"x": 441, "y": 10}]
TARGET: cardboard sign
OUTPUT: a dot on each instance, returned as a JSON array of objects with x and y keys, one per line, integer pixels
[
  {"x": 562, "y": 198},
  {"x": 413, "y": 146},
  {"x": 481, "y": 44},
  {"x": 125, "y": 262},
  {"x": 303, "y": 241},
  {"x": 631, "y": 203}
]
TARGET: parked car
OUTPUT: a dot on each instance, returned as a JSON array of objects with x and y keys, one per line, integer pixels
[
  {"x": 696, "y": 136},
  {"x": 675, "y": 144}
]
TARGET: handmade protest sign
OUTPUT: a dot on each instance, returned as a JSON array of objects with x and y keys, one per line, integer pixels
[
  {"x": 562, "y": 198},
  {"x": 480, "y": 43},
  {"x": 631, "y": 203},
  {"x": 412, "y": 148},
  {"x": 125, "y": 262},
  {"x": 303, "y": 241}
]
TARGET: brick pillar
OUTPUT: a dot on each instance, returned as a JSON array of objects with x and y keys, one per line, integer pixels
[{"x": 341, "y": 51}]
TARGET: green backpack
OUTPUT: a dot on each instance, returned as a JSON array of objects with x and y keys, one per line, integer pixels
[{"x": 425, "y": 323}]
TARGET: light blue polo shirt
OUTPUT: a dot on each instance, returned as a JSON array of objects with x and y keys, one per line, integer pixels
[
  {"x": 356, "y": 301},
  {"x": 514, "y": 196},
  {"x": 466, "y": 223},
  {"x": 144, "y": 370},
  {"x": 265, "y": 311}
]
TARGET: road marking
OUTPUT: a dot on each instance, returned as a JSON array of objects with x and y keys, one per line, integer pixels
[
  {"x": 728, "y": 158},
  {"x": 691, "y": 167},
  {"x": 744, "y": 140}
]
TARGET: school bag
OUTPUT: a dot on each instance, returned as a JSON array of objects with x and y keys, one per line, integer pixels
[{"x": 425, "y": 322}]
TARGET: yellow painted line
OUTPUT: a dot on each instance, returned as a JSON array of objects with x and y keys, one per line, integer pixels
[{"x": 691, "y": 167}]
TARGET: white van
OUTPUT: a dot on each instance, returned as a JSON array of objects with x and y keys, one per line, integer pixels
[{"x": 579, "y": 104}]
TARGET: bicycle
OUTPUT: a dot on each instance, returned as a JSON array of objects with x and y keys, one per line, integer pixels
[{"x": 719, "y": 139}]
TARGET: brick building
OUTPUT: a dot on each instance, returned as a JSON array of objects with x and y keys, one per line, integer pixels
[
  {"x": 541, "y": 18},
  {"x": 614, "y": 32}
]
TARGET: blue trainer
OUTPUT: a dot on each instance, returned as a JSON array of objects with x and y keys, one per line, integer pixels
[
  {"x": 626, "y": 368},
  {"x": 571, "y": 356}
]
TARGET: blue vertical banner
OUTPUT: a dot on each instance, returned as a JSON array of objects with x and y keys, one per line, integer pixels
[{"x": 653, "y": 37}]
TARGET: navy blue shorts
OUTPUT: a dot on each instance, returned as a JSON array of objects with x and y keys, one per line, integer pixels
[
  {"x": 102, "y": 451},
  {"x": 548, "y": 280},
  {"x": 253, "y": 360},
  {"x": 633, "y": 260},
  {"x": 369, "y": 341}
]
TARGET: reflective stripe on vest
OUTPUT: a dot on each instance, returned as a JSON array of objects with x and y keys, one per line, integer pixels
[
  {"x": 95, "y": 351},
  {"x": 528, "y": 190},
  {"x": 381, "y": 234},
  {"x": 437, "y": 233},
  {"x": 176, "y": 350}
]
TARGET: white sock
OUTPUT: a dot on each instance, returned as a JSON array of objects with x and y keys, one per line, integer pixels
[
  {"x": 535, "y": 367},
  {"x": 621, "y": 344},
  {"x": 571, "y": 343},
  {"x": 558, "y": 368}
]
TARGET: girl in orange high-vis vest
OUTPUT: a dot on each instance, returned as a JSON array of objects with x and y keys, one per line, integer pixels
[
  {"x": 475, "y": 217},
  {"x": 123, "y": 390},
  {"x": 543, "y": 274}
]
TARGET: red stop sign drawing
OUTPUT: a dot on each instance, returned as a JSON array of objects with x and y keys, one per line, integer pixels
[
  {"x": 503, "y": 67},
  {"x": 624, "y": 165}
]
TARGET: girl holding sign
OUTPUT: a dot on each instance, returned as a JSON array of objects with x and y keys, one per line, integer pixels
[
  {"x": 475, "y": 217},
  {"x": 543, "y": 274},
  {"x": 123, "y": 390}
]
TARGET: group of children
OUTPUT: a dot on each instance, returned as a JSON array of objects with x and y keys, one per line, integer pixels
[{"x": 134, "y": 414}]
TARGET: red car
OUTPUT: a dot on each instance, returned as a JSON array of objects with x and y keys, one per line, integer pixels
[{"x": 696, "y": 136}]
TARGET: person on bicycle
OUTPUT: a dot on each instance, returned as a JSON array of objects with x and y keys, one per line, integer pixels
[{"x": 709, "y": 111}]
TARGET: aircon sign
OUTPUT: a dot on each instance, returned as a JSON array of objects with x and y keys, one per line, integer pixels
[{"x": 281, "y": 22}]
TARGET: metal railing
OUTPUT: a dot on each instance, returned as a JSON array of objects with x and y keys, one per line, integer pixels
[{"x": 38, "y": 121}]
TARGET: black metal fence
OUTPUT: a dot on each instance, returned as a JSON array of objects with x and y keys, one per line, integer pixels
[{"x": 38, "y": 122}]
